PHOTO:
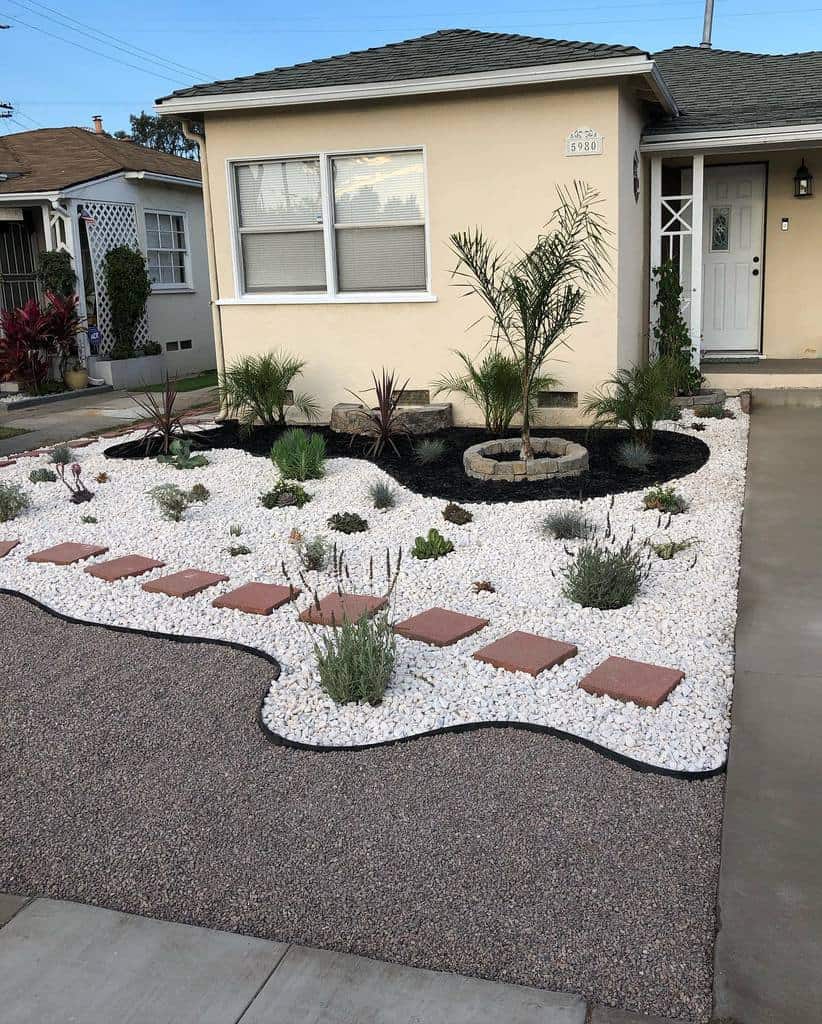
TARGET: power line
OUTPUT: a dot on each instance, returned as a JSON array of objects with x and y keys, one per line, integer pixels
[
  {"x": 71, "y": 42},
  {"x": 533, "y": 26},
  {"x": 126, "y": 47}
]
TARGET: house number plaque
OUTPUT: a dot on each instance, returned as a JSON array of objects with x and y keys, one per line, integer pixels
[{"x": 584, "y": 142}]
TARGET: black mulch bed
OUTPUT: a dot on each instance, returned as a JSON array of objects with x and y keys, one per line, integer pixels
[{"x": 676, "y": 455}]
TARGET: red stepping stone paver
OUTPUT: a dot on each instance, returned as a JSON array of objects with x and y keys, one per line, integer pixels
[
  {"x": 526, "y": 652},
  {"x": 439, "y": 627},
  {"x": 123, "y": 567},
  {"x": 83, "y": 443},
  {"x": 35, "y": 454},
  {"x": 6, "y": 546},
  {"x": 184, "y": 584},
  {"x": 67, "y": 553},
  {"x": 256, "y": 598},
  {"x": 634, "y": 681},
  {"x": 7, "y": 462},
  {"x": 338, "y": 608}
]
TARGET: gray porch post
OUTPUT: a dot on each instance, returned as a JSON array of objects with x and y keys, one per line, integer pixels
[{"x": 697, "y": 208}]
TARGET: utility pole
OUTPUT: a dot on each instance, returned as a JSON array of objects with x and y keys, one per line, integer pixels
[
  {"x": 6, "y": 109},
  {"x": 707, "y": 28}
]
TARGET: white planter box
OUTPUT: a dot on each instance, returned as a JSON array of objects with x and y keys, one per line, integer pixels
[{"x": 129, "y": 373}]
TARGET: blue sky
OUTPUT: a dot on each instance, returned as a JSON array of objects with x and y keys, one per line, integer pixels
[{"x": 55, "y": 81}]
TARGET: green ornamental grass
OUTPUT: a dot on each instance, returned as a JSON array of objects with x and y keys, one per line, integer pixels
[{"x": 299, "y": 455}]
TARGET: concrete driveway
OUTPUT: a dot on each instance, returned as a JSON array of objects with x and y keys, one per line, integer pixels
[{"x": 78, "y": 417}]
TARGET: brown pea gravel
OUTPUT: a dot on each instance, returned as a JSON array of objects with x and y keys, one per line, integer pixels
[{"x": 135, "y": 777}]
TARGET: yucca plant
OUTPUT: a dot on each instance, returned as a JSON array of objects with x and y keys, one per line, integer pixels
[
  {"x": 162, "y": 422},
  {"x": 258, "y": 388},
  {"x": 535, "y": 297},
  {"x": 635, "y": 397},
  {"x": 299, "y": 455},
  {"x": 383, "y": 418},
  {"x": 494, "y": 385}
]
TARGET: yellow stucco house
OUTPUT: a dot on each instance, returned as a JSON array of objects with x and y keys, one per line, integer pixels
[{"x": 332, "y": 188}]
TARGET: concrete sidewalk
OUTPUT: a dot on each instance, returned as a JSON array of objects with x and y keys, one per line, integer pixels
[
  {"x": 768, "y": 960},
  {"x": 64, "y": 962},
  {"x": 79, "y": 417}
]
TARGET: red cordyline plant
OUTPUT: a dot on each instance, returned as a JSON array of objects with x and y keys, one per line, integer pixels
[
  {"x": 63, "y": 326},
  {"x": 25, "y": 345},
  {"x": 162, "y": 422},
  {"x": 383, "y": 419}
]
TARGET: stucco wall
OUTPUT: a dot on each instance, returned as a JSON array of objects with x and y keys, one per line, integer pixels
[
  {"x": 494, "y": 159},
  {"x": 178, "y": 315},
  {"x": 793, "y": 261},
  {"x": 632, "y": 241}
]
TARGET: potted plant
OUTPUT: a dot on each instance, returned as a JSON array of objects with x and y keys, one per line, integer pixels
[{"x": 64, "y": 327}]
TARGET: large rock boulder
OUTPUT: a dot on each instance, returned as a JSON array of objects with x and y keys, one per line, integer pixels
[{"x": 417, "y": 420}]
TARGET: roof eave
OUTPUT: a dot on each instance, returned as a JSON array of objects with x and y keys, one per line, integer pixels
[
  {"x": 732, "y": 138},
  {"x": 572, "y": 71}
]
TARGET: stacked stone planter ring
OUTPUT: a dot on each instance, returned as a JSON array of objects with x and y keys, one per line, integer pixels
[{"x": 555, "y": 458}]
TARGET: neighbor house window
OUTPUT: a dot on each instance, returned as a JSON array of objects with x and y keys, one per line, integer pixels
[
  {"x": 332, "y": 224},
  {"x": 167, "y": 250}
]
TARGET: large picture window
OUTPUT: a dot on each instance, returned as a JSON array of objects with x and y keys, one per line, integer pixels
[{"x": 332, "y": 224}]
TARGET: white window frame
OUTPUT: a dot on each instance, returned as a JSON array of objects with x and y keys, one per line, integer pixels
[
  {"x": 331, "y": 294},
  {"x": 188, "y": 285}
]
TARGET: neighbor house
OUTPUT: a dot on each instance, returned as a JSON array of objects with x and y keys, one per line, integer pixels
[
  {"x": 85, "y": 192},
  {"x": 332, "y": 188}
]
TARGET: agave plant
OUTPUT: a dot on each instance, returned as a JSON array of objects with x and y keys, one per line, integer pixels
[
  {"x": 259, "y": 388},
  {"x": 383, "y": 418},
  {"x": 494, "y": 385},
  {"x": 162, "y": 421}
]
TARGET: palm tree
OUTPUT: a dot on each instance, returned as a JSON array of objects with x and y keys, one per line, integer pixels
[
  {"x": 536, "y": 297},
  {"x": 259, "y": 388},
  {"x": 494, "y": 385}
]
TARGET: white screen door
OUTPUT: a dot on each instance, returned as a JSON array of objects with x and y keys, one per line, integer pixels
[{"x": 733, "y": 247}]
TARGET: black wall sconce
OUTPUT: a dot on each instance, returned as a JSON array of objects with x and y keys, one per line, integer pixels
[{"x": 803, "y": 182}]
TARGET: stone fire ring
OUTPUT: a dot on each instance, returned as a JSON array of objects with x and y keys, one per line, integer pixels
[{"x": 555, "y": 458}]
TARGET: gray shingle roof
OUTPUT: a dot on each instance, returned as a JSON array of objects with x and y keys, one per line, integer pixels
[
  {"x": 448, "y": 52},
  {"x": 717, "y": 89}
]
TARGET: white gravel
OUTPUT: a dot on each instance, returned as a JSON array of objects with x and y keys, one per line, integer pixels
[{"x": 684, "y": 617}]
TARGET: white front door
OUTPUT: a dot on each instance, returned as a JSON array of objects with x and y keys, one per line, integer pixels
[{"x": 733, "y": 247}]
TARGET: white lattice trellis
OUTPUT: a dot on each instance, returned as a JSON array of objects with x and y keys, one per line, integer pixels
[{"x": 109, "y": 225}]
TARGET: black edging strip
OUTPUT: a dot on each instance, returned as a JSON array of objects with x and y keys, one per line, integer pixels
[{"x": 282, "y": 741}]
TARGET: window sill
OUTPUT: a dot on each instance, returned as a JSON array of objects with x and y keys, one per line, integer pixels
[
  {"x": 317, "y": 299},
  {"x": 171, "y": 290}
]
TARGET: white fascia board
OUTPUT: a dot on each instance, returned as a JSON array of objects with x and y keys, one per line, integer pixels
[
  {"x": 15, "y": 198},
  {"x": 165, "y": 179},
  {"x": 732, "y": 138},
  {"x": 572, "y": 71}
]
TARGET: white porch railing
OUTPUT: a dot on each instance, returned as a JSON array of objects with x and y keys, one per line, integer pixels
[{"x": 679, "y": 217}]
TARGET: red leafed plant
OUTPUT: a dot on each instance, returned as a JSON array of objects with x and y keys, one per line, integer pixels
[
  {"x": 63, "y": 326},
  {"x": 384, "y": 423},
  {"x": 25, "y": 344}
]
